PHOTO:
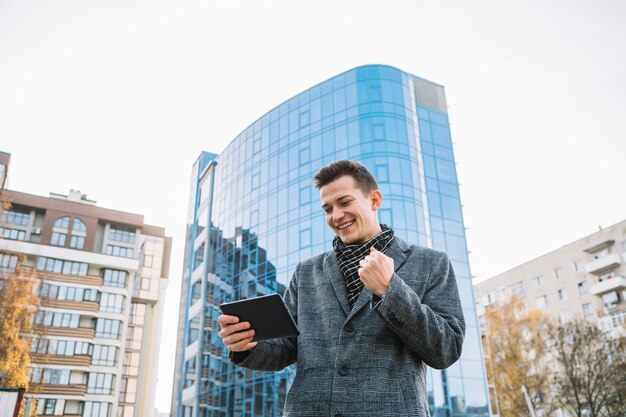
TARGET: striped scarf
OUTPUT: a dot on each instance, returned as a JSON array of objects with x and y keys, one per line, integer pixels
[{"x": 349, "y": 257}]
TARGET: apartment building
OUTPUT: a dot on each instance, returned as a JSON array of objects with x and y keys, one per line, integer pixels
[
  {"x": 583, "y": 279},
  {"x": 101, "y": 276}
]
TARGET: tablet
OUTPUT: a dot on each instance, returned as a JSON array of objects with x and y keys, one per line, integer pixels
[{"x": 267, "y": 314}]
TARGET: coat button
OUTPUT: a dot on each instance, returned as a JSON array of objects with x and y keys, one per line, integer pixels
[
  {"x": 343, "y": 370},
  {"x": 348, "y": 328}
]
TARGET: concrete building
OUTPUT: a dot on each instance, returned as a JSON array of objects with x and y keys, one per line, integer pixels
[
  {"x": 583, "y": 279},
  {"x": 254, "y": 214},
  {"x": 101, "y": 277}
]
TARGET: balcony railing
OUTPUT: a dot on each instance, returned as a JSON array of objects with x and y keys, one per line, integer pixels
[
  {"x": 76, "y": 360},
  {"x": 83, "y": 332},
  {"x": 70, "y": 305},
  {"x": 605, "y": 263},
  {"x": 72, "y": 279},
  {"x": 608, "y": 285},
  {"x": 54, "y": 389}
]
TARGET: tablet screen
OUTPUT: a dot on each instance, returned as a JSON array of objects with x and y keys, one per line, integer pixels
[{"x": 267, "y": 314}]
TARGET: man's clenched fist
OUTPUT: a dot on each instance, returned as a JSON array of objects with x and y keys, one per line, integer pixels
[{"x": 376, "y": 271}]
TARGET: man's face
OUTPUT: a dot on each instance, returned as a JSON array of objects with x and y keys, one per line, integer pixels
[{"x": 349, "y": 212}]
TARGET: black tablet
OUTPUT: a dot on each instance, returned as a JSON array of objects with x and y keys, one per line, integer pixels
[{"x": 267, "y": 314}]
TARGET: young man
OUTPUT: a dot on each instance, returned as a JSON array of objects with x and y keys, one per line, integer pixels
[{"x": 372, "y": 313}]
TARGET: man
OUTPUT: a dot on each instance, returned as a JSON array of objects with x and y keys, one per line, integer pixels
[{"x": 372, "y": 313}]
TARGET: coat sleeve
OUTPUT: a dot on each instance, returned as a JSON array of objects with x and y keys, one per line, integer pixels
[
  {"x": 433, "y": 326},
  {"x": 273, "y": 354}
]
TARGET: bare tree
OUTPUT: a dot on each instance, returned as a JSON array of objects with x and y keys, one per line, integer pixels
[{"x": 589, "y": 379}]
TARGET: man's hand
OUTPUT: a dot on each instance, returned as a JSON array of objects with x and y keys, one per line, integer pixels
[
  {"x": 376, "y": 271},
  {"x": 236, "y": 336}
]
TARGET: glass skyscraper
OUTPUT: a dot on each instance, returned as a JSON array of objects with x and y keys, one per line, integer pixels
[{"x": 254, "y": 214}]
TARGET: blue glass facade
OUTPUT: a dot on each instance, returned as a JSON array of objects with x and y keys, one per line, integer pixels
[{"x": 254, "y": 214}]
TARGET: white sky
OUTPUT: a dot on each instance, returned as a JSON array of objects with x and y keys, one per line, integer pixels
[{"x": 118, "y": 98}]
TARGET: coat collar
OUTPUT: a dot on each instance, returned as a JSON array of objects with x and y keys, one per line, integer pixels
[{"x": 398, "y": 250}]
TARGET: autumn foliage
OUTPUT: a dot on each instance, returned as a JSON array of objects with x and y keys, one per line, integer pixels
[
  {"x": 516, "y": 352},
  {"x": 17, "y": 306}
]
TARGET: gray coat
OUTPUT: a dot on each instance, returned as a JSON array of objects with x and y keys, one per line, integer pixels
[{"x": 369, "y": 360}]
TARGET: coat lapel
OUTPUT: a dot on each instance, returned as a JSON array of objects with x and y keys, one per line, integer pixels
[{"x": 331, "y": 267}]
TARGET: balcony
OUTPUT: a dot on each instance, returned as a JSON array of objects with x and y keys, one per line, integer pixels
[
  {"x": 608, "y": 285},
  {"x": 54, "y": 389},
  {"x": 76, "y": 360},
  {"x": 70, "y": 279},
  {"x": 83, "y": 332},
  {"x": 603, "y": 264},
  {"x": 189, "y": 394},
  {"x": 70, "y": 305}
]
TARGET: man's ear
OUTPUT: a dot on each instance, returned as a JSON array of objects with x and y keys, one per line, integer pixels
[{"x": 376, "y": 198}]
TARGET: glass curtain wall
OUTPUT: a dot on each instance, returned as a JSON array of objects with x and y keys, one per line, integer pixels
[{"x": 254, "y": 214}]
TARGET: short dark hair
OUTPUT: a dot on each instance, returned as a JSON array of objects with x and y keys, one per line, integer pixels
[{"x": 363, "y": 178}]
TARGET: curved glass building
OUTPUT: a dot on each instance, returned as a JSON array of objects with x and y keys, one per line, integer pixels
[{"x": 254, "y": 214}]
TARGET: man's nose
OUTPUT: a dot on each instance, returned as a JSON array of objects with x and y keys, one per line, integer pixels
[{"x": 337, "y": 215}]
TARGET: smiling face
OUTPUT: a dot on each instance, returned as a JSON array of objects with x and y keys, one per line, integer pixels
[{"x": 350, "y": 213}]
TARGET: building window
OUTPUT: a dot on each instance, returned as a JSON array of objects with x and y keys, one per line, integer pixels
[
  {"x": 79, "y": 226},
  {"x": 541, "y": 301},
  {"x": 131, "y": 363},
  {"x": 128, "y": 390},
  {"x": 113, "y": 303},
  {"x": 122, "y": 251},
  {"x": 378, "y": 131},
  {"x": 48, "y": 406},
  {"x": 196, "y": 290},
  {"x": 15, "y": 216},
  {"x": 104, "y": 355},
  {"x": 538, "y": 281},
  {"x": 100, "y": 383},
  {"x": 115, "y": 278},
  {"x": 587, "y": 310},
  {"x": 256, "y": 146},
  {"x": 579, "y": 266},
  {"x": 562, "y": 294},
  {"x": 134, "y": 338},
  {"x": 583, "y": 288},
  {"x": 558, "y": 273},
  {"x": 108, "y": 329},
  {"x": 305, "y": 117},
  {"x": 198, "y": 257},
  {"x": 610, "y": 299},
  {"x": 8, "y": 263},
  {"x": 50, "y": 376},
  {"x": 50, "y": 318},
  {"x": 58, "y": 239},
  {"x": 62, "y": 223},
  {"x": 382, "y": 173},
  {"x": 65, "y": 293},
  {"x": 305, "y": 238},
  {"x": 256, "y": 178},
  {"x": 566, "y": 316},
  {"x": 517, "y": 290},
  {"x": 60, "y": 347},
  {"x": 77, "y": 242},
  {"x": 12, "y": 234},
  {"x": 138, "y": 314},
  {"x": 119, "y": 234},
  {"x": 62, "y": 267},
  {"x": 96, "y": 409}
]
